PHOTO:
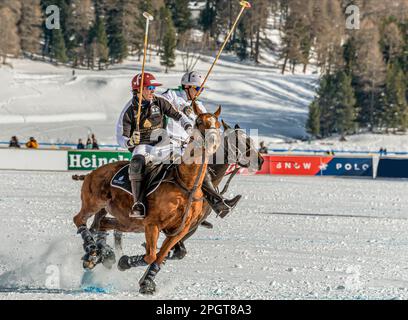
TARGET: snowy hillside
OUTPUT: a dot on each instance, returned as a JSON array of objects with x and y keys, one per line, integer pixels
[{"x": 49, "y": 103}]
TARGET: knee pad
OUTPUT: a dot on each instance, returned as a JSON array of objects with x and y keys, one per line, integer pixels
[{"x": 137, "y": 167}]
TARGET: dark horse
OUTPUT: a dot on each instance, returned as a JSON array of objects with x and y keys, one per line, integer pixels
[{"x": 238, "y": 149}]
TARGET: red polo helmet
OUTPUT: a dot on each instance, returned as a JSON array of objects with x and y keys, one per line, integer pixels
[{"x": 148, "y": 80}]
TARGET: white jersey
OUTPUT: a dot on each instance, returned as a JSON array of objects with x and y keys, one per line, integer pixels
[{"x": 178, "y": 98}]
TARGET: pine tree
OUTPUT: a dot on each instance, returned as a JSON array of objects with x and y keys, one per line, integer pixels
[
  {"x": 242, "y": 42},
  {"x": 58, "y": 49},
  {"x": 30, "y": 26},
  {"x": 168, "y": 57},
  {"x": 99, "y": 43},
  {"x": 313, "y": 121},
  {"x": 208, "y": 18},
  {"x": 344, "y": 101},
  {"x": 396, "y": 108},
  {"x": 181, "y": 14},
  {"x": 116, "y": 39}
]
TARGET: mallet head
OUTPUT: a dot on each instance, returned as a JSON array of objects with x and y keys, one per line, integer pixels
[
  {"x": 148, "y": 16},
  {"x": 245, "y": 4}
]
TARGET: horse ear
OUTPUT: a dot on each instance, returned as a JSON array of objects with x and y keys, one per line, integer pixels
[
  {"x": 225, "y": 125},
  {"x": 218, "y": 112},
  {"x": 237, "y": 126},
  {"x": 196, "y": 109}
]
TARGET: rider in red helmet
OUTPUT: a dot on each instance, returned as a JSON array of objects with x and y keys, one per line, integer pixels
[{"x": 144, "y": 143}]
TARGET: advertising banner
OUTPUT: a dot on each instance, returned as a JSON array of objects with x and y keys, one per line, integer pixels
[
  {"x": 341, "y": 166},
  {"x": 392, "y": 168},
  {"x": 90, "y": 160},
  {"x": 298, "y": 165}
]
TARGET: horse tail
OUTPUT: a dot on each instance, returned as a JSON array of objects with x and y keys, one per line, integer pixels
[{"x": 77, "y": 177}]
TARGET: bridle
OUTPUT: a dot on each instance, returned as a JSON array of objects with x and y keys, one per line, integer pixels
[{"x": 189, "y": 192}]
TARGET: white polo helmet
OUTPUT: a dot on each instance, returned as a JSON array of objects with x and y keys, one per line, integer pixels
[{"x": 192, "y": 78}]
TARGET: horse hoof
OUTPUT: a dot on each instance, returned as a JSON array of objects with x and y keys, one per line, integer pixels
[
  {"x": 90, "y": 260},
  {"x": 147, "y": 287},
  {"x": 123, "y": 263},
  {"x": 89, "y": 264}
]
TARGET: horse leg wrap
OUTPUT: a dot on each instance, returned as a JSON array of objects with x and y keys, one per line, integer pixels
[
  {"x": 101, "y": 239},
  {"x": 107, "y": 256},
  {"x": 137, "y": 261},
  {"x": 126, "y": 262},
  {"x": 118, "y": 240},
  {"x": 150, "y": 274},
  {"x": 89, "y": 242}
]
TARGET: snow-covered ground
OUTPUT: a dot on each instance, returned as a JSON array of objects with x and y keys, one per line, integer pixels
[{"x": 290, "y": 238}]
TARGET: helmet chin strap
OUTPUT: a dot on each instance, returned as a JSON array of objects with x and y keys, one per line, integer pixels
[{"x": 188, "y": 93}]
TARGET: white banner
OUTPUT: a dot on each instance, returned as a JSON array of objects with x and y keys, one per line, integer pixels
[{"x": 37, "y": 160}]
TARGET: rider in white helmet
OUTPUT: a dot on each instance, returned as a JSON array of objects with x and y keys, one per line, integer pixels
[{"x": 181, "y": 98}]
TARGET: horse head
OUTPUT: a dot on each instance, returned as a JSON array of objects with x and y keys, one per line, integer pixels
[
  {"x": 208, "y": 127},
  {"x": 240, "y": 148}
]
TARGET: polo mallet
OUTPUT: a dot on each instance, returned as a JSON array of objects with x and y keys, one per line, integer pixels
[
  {"x": 244, "y": 5},
  {"x": 149, "y": 18}
]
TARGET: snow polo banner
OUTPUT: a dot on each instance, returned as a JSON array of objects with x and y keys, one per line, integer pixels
[
  {"x": 339, "y": 166},
  {"x": 90, "y": 160},
  {"x": 324, "y": 166},
  {"x": 297, "y": 165},
  {"x": 392, "y": 168}
]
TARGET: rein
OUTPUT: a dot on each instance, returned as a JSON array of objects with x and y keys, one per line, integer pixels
[
  {"x": 232, "y": 175},
  {"x": 191, "y": 198}
]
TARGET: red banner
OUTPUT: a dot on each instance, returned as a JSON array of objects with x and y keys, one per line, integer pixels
[
  {"x": 298, "y": 165},
  {"x": 291, "y": 165}
]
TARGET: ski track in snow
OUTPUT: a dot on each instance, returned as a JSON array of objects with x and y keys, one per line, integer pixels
[{"x": 289, "y": 238}]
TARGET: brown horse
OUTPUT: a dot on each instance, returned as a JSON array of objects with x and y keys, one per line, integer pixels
[
  {"x": 249, "y": 157},
  {"x": 173, "y": 208}
]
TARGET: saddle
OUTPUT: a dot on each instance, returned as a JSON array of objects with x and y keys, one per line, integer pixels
[{"x": 154, "y": 176}]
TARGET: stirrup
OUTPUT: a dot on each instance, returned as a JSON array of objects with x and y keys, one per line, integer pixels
[
  {"x": 230, "y": 204},
  {"x": 136, "y": 213}
]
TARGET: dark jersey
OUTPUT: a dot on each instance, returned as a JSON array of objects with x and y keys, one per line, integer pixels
[{"x": 152, "y": 118}]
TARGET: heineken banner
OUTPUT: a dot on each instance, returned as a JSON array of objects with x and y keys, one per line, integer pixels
[{"x": 90, "y": 160}]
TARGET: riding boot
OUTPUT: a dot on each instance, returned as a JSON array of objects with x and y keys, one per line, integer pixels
[
  {"x": 136, "y": 175},
  {"x": 138, "y": 208},
  {"x": 220, "y": 205}
]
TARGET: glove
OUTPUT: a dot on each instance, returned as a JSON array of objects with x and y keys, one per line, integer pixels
[
  {"x": 134, "y": 139},
  {"x": 188, "y": 110}
]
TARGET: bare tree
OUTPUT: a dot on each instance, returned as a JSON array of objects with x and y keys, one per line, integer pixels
[
  {"x": 9, "y": 17},
  {"x": 30, "y": 26}
]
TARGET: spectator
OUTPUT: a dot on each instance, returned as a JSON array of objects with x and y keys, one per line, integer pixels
[
  {"x": 80, "y": 145},
  {"x": 32, "y": 144},
  {"x": 262, "y": 148},
  {"x": 385, "y": 151},
  {"x": 14, "y": 142},
  {"x": 95, "y": 145},
  {"x": 89, "y": 143}
]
